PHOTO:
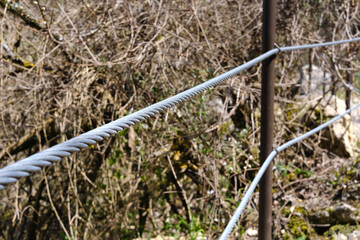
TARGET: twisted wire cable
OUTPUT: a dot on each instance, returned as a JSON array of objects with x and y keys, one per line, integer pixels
[
  {"x": 11, "y": 173},
  {"x": 33, "y": 163},
  {"x": 265, "y": 165},
  {"x": 235, "y": 217}
]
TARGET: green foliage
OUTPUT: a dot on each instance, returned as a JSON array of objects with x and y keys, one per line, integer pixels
[
  {"x": 344, "y": 229},
  {"x": 304, "y": 173},
  {"x": 298, "y": 226},
  {"x": 180, "y": 173},
  {"x": 193, "y": 229}
]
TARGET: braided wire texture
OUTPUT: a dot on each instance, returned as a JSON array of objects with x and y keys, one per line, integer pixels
[
  {"x": 235, "y": 217},
  {"x": 22, "y": 168}
]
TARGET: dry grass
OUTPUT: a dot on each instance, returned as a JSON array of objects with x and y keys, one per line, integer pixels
[{"x": 179, "y": 174}]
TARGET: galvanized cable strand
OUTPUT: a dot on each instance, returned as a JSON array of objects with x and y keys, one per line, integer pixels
[
  {"x": 273, "y": 154},
  {"x": 308, "y": 46},
  {"x": 265, "y": 165},
  {"x": 33, "y": 163}
]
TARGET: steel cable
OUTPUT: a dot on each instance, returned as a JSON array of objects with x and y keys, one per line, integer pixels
[
  {"x": 33, "y": 163},
  {"x": 273, "y": 154},
  {"x": 265, "y": 165},
  {"x": 22, "y": 168}
]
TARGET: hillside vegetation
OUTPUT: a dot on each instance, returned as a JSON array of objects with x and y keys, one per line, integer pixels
[{"x": 67, "y": 67}]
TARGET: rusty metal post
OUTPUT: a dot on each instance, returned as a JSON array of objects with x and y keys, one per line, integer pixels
[
  {"x": 349, "y": 79},
  {"x": 267, "y": 118}
]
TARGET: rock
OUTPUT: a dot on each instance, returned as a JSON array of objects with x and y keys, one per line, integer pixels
[
  {"x": 321, "y": 216},
  {"x": 341, "y": 213},
  {"x": 355, "y": 116},
  {"x": 334, "y": 107},
  {"x": 344, "y": 138},
  {"x": 339, "y": 236},
  {"x": 250, "y": 233},
  {"x": 345, "y": 213},
  {"x": 354, "y": 235},
  {"x": 344, "y": 133},
  {"x": 340, "y": 137}
]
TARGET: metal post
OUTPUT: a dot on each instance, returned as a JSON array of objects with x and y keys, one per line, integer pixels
[
  {"x": 349, "y": 79},
  {"x": 267, "y": 119}
]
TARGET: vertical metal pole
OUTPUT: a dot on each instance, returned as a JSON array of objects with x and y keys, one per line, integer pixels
[
  {"x": 267, "y": 118},
  {"x": 349, "y": 78}
]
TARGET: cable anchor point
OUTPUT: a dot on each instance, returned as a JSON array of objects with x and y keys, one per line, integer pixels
[
  {"x": 275, "y": 149},
  {"x": 277, "y": 47}
]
